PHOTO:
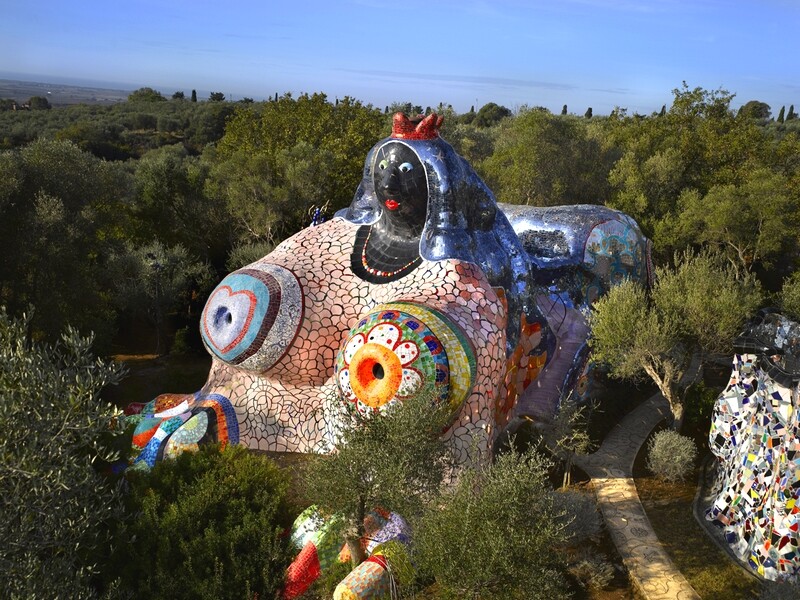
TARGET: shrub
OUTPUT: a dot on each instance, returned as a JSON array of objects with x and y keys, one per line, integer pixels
[
  {"x": 180, "y": 344},
  {"x": 495, "y": 534},
  {"x": 671, "y": 455},
  {"x": 593, "y": 572},
  {"x": 209, "y": 524},
  {"x": 581, "y": 517},
  {"x": 54, "y": 429},
  {"x": 244, "y": 254},
  {"x": 395, "y": 460},
  {"x": 700, "y": 399},
  {"x": 790, "y": 296}
]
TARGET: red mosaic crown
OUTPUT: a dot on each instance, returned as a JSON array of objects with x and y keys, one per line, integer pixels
[{"x": 426, "y": 128}]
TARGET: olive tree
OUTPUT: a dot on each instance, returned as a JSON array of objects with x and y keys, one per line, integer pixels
[
  {"x": 753, "y": 223},
  {"x": 693, "y": 310},
  {"x": 154, "y": 279},
  {"x": 396, "y": 461},
  {"x": 54, "y": 431}
]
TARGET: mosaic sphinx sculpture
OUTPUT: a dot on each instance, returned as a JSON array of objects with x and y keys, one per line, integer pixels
[
  {"x": 755, "y": 434},
  {"x": 424, "y": 285}
]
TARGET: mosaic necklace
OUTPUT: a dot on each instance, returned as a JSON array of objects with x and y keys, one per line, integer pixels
[{"x": 379, "y": 272}]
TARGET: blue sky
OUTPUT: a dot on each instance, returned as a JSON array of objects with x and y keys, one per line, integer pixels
[{"x": 598, "y": 53}]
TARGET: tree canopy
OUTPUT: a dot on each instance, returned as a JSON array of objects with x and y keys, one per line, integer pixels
[
  {"x": 146, "y": 94},
  {"x": 693, "y": 310}
]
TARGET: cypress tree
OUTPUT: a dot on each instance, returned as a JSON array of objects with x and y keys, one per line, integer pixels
[
  {"x": 564, "y": 110},
  {"x": 588, "y": 114},
  {"x": 792, "y": 114},
  {"x": 663, "y": 110},
  {"x": 194, "y": 95},
  {"x": 780, "y": 114}
]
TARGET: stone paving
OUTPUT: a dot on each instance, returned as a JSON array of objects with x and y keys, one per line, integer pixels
[{"x": 611, "y": 468}]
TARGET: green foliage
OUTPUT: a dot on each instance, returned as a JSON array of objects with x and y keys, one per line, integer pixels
[
  {"x": 395, "y": 461},
  {"x": 216, "y": 97},
  {"x": 206, "y": 525},
  {"x": 59, "y": 218},
  {"x": 699, "y": 306},
  {"x": 671, "y": 455},
  {"x": 244, "y": 254},
  {"x": 146, "y": 94},
  {"x": 180, "y": 345},
  {"x": 707, "y": 301},
  {"x": 153, "y": 280},
  {"x": 568, "y": 435},
  {"x": 698, "y": 144},
  {"x": 279, "y": 158},
  {"x": 101, "y": 140},
  {"x": 584, "y": 523},
  {"x": 172, "y": 205},
  {"x": 790, "y": 296},
  {"x": 755, "y": 110},
  {"x": 546, "y": 160},
  {"x": 494, "y": 535},
  {"x": 54, "y": 433},
  {"x": 753, "y": 222},
  {"x": 491, "y": 114},
  {"x": 700, "y": 400},
  {"x": 39, "y": 103},
  {"x": 476, "y": 144}
]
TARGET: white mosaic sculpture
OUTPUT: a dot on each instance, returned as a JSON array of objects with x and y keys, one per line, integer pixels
[{"x": 754, "y": 434}]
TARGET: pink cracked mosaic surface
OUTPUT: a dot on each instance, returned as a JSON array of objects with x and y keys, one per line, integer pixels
[{"x": 289, "y": 407}]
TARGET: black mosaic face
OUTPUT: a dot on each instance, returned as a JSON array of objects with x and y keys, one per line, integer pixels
[{"x": 400, "y": 183}]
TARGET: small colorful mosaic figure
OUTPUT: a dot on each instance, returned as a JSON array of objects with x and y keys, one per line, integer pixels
[
  {"x": 423, "y": 285},
  {"x": 755, "y": 435}
]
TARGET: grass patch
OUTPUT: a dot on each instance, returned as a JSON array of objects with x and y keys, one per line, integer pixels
[{"x": 710, "y": 571}]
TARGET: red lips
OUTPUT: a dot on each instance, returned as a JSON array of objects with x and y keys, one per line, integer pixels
[{"x": 392, "y": 204}]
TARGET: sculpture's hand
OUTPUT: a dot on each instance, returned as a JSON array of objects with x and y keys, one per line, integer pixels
[{"x": 176, "y": 423}]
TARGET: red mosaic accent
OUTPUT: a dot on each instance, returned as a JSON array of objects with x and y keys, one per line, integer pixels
[{"x": 416, "y": 129}]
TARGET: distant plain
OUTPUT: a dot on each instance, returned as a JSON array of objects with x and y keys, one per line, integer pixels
[{"x": 60, "y": 94}]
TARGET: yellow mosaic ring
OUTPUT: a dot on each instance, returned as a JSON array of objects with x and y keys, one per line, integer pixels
[{"x": 460, "y": 352}]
